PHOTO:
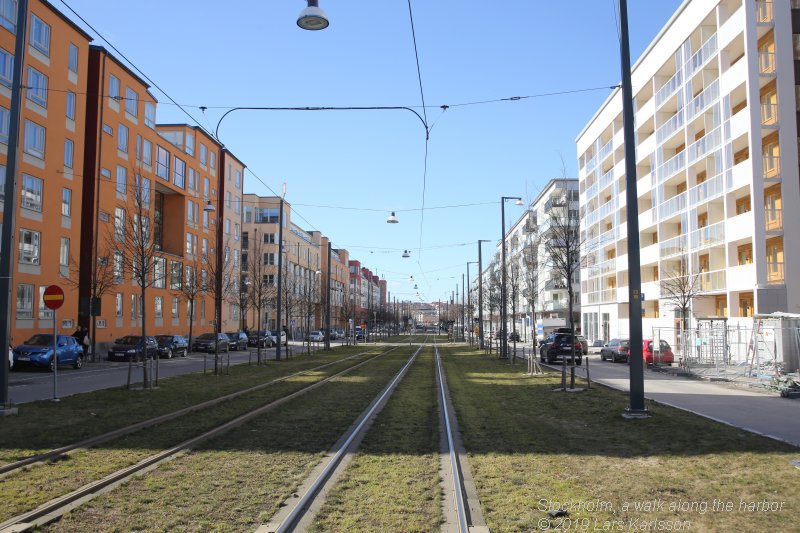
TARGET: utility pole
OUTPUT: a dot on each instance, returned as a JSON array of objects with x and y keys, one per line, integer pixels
[
  {"x": 278, "y": 334},
  {"x": 480, "y": 292}
]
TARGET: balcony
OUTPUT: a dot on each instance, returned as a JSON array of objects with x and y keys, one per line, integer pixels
[
  {"x": 672, "y": 207},
  {"x": 769, "y": 115},
  {"x": 709, "y": 236},
  {"x": 706, "y": 191},
  {"x": 702, "y": 56},
  {"x": 766, "y": 64},
  {"x": 556, "y": 306},
  {"x": 668, "y": 89},
  {"x": 707, "y": 144},
  {"x": 669, "y": 127},
  {"x": 773, "y": 220},
  {"x": 772, "y": 167},
  {"x": 673, "y": 247},
  {"x": 775, "y": 272},
  {"x": 700, "y": 102},
  {"x": 711, "y": 281},
  {"x": 670, "y": 167},
  {"x": 764, "y": 13}
]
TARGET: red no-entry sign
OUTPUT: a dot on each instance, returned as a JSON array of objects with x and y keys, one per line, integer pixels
[{"x": 53, "y": 297}]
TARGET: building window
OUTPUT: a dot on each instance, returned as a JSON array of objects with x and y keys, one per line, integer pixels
[
  {"x": 37, "y": 87},
  {"x": 131, "y": 102},
  {"x": 227, "y": 226},
  {"x": 113, "y": 87},
  {"x": 122, "y": 138},
  {"x": 269, "y": 238},
  {"x": 203, "y": 154},
  {"x": 206, "y": 187},
  {"x": 6, "y": 68},
  {"x": 34, "y": 139},
  {"x": 40, "y": 35},
  {"x": 238, "y": 179},
  {"x": 269, "y": 258},
  {"x": 66, "y": 202},
  {"x": 4, "y": 120},
  {"x": 179, "y": 175},
  {"x": 190, "y": 144},
  {"x": 191, "y": 212},
  {"x": 122, "y": 179},
  {"x": 73, "y": 58},
  {"x": 175, "y": 273},
  {"x": 108, "y": 130},
  {"x": 212, "y": 156},
  {"x": 150, "y": 114},
  {"x": 159, "y": 272},
  {"x": 227, "y": 199},
  {"x": 119, "y": 223},
  {"x": 205, "y": 219},
  {"x": 118, "y": 304},
  {"x": 25, "y": 301},
  {"x": 69, "y": 153},
  {"x": 144, "y": 190},
  {"x": 29, "y": 247},
  {"x": 63, "y": 254},
  {"x": 236, "y": 231},
  {"x": 162, "y": 163},
  {"x": 175, "y": 307},
  {"x": 31, "y": 193},
  {"x": 45, "y": 313},
  {"x": 2, "y": 184},
  {"x": 70, "y": 105},
  {"x": 133, "y": 306},
  {"x": 119, "y": 267},
  {"x": 147, "y": 152},
  {"x": 159, "y": 306},
  {"x": 8, "y": 15}
]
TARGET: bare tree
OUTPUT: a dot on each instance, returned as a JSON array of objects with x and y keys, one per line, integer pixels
[
  {"x": 493, "y": 292},
  {"x": 102, "y": 282},
  {"x": 348, "y": 308},
  {"x": 679, "y": 287},
  {"x": 533, "y": 267},
  {"x": 514, "y": 290},
  {"x": 261, "y": 291},
  {"x": 222, "y": 281},
  {"x": 191, "y": 289},
  {"x": 308, "y": 301},
  {"x": 563, "y": 250}
]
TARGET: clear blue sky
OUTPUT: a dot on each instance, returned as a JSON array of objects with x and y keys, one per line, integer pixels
[{"x": 253, "y": 54}]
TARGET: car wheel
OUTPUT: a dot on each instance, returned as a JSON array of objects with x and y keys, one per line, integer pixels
[
  {"x": 52, "y": 365},
  {"x": 78, "y": 364},
  {"x": 169, "y": 353},
  {"x": 185, "y": 352}
]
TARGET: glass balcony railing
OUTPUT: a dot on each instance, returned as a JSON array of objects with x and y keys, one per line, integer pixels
[
  {"x": 708, "y": 236},
  {"x": 772, "y": 166},
  {"x": 608, "y": 295},
  {"x": 708, "y": 190},
  {"x": 700, "y": 102},
  {"x": 766, "y": 63},
  {"x": 674, "y": 205},
  {"x": 669, "y": 127},
  {"x": 769, "y": 114},
  {"x": 710, "y": 142},
  {"x": 606, "y": 179},
  {"x": 700, "y": 57},
  {"x": 775, "y": 272},
  {"x": 711, "y": 281},
  {"x": 773, "y": 219},
  {"x": 671, "y": 167},
  {"x": 669, "y": 88},
  {"x": 672, "y": 247},
  {"x": 764, "y": 13},
  {"x": 604, "y": 151},
  {"x": 591, "y": 192}
]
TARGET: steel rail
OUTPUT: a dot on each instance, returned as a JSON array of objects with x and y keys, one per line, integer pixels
[
  {"x": 455, "y": 464},
  {"x": 127, "y": 430},
  {"x": 57, "y": 507},
  {"x": 291, "y": 520}
]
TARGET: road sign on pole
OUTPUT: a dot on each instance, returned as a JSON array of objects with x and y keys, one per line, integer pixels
[{"x": 53, "y": 297}]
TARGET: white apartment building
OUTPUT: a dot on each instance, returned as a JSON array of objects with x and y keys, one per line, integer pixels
[{"x": 716, "y": 100}]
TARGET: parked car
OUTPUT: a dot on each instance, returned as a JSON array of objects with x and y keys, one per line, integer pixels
[
  {"x": 316, "y": 336},
  {"x": 513, "y": 336},
  {"x": 262, "y": 338},
  {"x": 10, "y": 357},
  {"x": 274, "y": 340},
  {"x": 584, "y": 344},
  {"x": 237, "y": 340},
  {"x": 207, "y": 343},
  {"x": 169, "y": 345},
  {"x": 339, "y": 333},
  {"x": 131, "y": 346},
  {"x": 663, "y": 355},
  {"x": 560, "y": 348},
  {"x": 616, "y": 350},
  {"x": 38, "y": 351}
]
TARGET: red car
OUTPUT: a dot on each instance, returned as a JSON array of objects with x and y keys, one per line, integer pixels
[{"x": 663, "y": 356}]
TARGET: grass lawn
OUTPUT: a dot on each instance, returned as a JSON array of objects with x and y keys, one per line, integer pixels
[
  {"x": 43, "y": 425},
  {"x": 531, "y": 448},
  {"x": 27, "y": 488},
  {"x": 393, "y": 482},
  {"x": 238, "y": 480}
]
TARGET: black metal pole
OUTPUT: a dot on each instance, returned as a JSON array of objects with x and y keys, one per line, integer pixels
[
  {"x": 503, "y": 349},
  {"x": 480, "y": 293},
  {"x": 10, "y": 203},
  {"x": 636, "y": 409},
  {"x": 280, "y": 282},
  {"x": 328, "y": 304}
]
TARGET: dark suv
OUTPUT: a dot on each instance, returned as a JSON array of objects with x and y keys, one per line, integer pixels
[
  {"x": 560, "y": 347},
  {"x": 259, "y": 338},
  {"x": 206, "y": 343},
  {"x": 131, "y": 346},
  {"x": 169, "y": 345},
  {"x": 237, "y": 340}
]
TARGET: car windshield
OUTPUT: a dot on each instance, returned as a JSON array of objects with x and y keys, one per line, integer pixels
[
  {"x": 562, "y": 338},
  {"x": 624, "y": 343},
  {"x": 206, "y": 337},
  {"x": 232, "y": 334},
  {"x": 40, "y": 340},
  {"x": 164, "y": 339},
  {"x": 129, "y": 339},
  {"x": 316, "y": 333}
]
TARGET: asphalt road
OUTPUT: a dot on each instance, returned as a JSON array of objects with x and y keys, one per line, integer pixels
[{"x": 31, "y": 384}]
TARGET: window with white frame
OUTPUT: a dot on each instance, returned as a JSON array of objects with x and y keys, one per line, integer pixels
[
  {"x": 188, "y": 243},
  {"x": 24, "y": 301},
  {"x": 204, "y": 247},
  {"x": 29, "y": 247},
  {"x": 118, "y": 304},
  {"x": 159, "y": 272},
  {"x": 227, "y": 226},
  {"x": 31, "y": 193},
  {"x": 40, "y": 35},
  {"x": 175, "y": 275},
  {"x": 150, "y": 114},
  {"x": 131, "y": 102},
  {"x": 144, "y": 191},
  {"x": 269, "y": 258},
  {"x": 66, "y": 202},
  {"x": 122, "y": 138},
  {"x": 113, "y": 87},
  {"x": 179, "y": 174},
  {"x": 63, "y": 252},
  {"x": 176, "y": 307},
  {"x": 203, "y": 154},
  {"x": 206, "y": 188},
  {"x": 69, "y": 153},
  {"x": 133, "y": 306},
  {"x": 45, "y": 313},
  {"x": 205, "y": 219},
  {"x": 237, "y": 202},
  {"x": 162, "y": 163},
  {"x": 70, "y": 105},
  {"x": 34, "y": 139},
  {"x": 8, "y": 15},
  {"x": 119, "y": 223},
  {"x": 119, "y": 266},
  {"x": 159, "y": 312},
  {"x": 227, "y": 198},
  {"x": 5, "y": 116},
  {"x": 190, "y": 144},
  {"x": 37, "y": 87},
  {"x": 122, "y": 179},
  {"x": 73, "y": 58},
  {"x": 238, "y": 179},
  {"x": 191, "y": 212},
  {"x": 147, "y": 152},
  {"x": 212, "y": 159},
  {"x": 236, "y": 231},
  {"x": 6, "y": 68}
]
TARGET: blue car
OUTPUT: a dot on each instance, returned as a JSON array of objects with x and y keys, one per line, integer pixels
[{"x": 38, "y": 351}]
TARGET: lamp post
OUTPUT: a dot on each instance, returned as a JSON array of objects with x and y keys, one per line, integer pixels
[
  {"x": 503, "y": 338},
  {"x": 209, "y": 208},
  {"x": 280, "y": 283},
  {"x": 469, "y": 300},
  {"x": 328, "y": 303},
  {"x": 480, "y": 292},
  {"x": 636, "y": 408}
]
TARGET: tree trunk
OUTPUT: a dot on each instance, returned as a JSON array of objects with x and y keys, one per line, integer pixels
[
  {"x": 191, "y": 323},
  {"x": 143, "y": 313},
  {"x": 258, "y": 335}
]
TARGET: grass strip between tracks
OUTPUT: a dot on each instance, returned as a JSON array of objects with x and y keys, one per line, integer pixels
[
  {"x": 44, "y": 425},
  {"x": 393, "y": 482},
  {"x": 30, "y": 487},
  {"x": 531, "y": 448},
  {"x": 238, "y": 480}
]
